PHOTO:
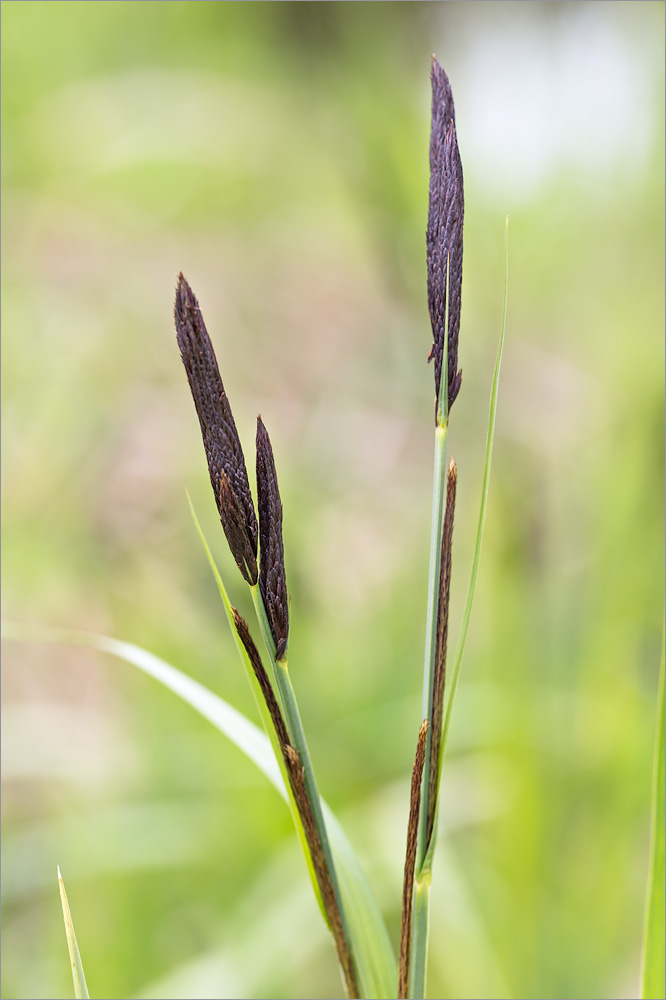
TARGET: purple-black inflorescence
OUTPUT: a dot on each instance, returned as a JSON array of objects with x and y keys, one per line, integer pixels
[
  {"x": 272, "y": 578},
  {"x": 444, "y": 236},
  {"x": 226, "y": 463}
]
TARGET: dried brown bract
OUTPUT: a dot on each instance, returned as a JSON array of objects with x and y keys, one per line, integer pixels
[
  {"x": 444, "y": 236},
  {"x": 226, "y": 463},
  {"x": 272, "y": 578}
]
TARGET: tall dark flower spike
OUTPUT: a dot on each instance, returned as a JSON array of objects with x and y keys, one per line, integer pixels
[
  {"x": 444, "y": 236},
  {"x": 226, "y": 463},
  {"x": 272, "y": 577}
]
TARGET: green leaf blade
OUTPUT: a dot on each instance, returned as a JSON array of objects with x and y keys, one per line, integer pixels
[
  {"x": 80, "y": 986},
  {"x": 376, "y": 963},
  {"x": 653, "y": 985}
]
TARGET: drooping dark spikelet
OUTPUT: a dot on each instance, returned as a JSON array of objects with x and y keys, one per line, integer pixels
[
  {"x": 410, "y": 863},
  {"x": 440, "y": 648},
  {"x": 226, "y": 463},
  {"x": 444, "y": 236},
  {"x": 272, "y": 578}
]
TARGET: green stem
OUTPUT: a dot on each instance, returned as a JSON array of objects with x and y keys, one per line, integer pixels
[
  {"x": 267, "y": 636},
  {"x": 439, "y": 491},
  {"x": 292, "y": 716},
  {"x": 417, "y": 969},
  {"x": 425, "y": 851}
]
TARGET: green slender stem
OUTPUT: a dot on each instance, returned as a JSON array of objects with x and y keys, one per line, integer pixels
[
  {"x": 417, "y": 968},
  {"x": 425, "y": 854},
  {"x": 419, "y": 943},
  {"x": 292, "y": 716},
  {"x": 439, "y": 491},
  {"x": 267, "y": 636}
]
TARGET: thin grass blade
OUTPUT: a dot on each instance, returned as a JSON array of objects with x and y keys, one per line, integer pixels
[
  {"x": 464, "y": 626},
  {"x": 653, "y": 985},
  {"x": 80, "y": 986}
]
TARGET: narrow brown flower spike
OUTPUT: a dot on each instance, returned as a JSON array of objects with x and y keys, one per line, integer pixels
[
  {"x": 300, "y": 793},
  {"x": 444, "y": 236},
  {"x": 272, "y": 578},
  {"x": 440, "y": 649},
  {"x": 262, "y": 677},
  {"x": 410, "y": 864},
  {"x": 226, "y": 463}
]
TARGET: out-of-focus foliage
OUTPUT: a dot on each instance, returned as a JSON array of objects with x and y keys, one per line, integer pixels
[{"x": 277, "y": 154}]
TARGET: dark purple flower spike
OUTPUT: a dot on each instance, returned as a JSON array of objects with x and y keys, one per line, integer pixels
[
  {"x": 444, "y": 236},
  {"x": 226, "y": 463},
  {"x": 272, "y": 578}
]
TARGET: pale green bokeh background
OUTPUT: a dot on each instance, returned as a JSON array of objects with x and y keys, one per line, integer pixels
[{"x": 277, "y": 154}]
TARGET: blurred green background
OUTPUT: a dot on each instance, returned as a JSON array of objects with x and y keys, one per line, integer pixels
[{"x": 277, "y": 154}]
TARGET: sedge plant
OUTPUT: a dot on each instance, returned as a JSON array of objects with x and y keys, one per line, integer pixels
[
  {"x": 255, "y": 541},
  {"x": 366, "y": 957}
]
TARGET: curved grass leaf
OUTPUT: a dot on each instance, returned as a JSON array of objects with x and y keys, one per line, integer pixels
[
  {"x": 654, "y": 971},
  {"x": 374, "y": 954},
  {"x": 80, "y": 987}
]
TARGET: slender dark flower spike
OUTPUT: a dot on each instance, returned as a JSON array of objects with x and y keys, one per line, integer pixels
[
  {"x": 272, "y": 578},
  {"x": 444, "y": 236},
  {"x": 410, "y": 864},
  {"x": 226, "y": 463},
  {"x": 299, "y": 790},
  {"x": 434, "y": 765},
  {"x": 262, "y": 678}
]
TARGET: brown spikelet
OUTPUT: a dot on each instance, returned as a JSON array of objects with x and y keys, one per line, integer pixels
[
  {"x": 262, "y": 677},
  {"x": 299, "y": 791},
  {"x": 218, "y": 429},
  {"x": 410, "y": 864},
  {"x": 440, "y": 649},
  {"x": 272, "y": 578},
  {"x": 444, "y": 236}
]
